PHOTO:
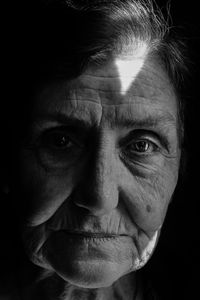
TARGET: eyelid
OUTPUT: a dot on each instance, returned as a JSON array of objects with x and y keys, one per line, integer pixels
[
  {"x": 145, "y": 134},
  {"x": 147, "y": 140},
  {"x": 61, "y": 129},
  {"x": 144, "y": 138},
  {"x": 152, "y": 149}
]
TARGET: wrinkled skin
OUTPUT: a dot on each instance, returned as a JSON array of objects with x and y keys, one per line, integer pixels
[{"x": 98, "y": 171}]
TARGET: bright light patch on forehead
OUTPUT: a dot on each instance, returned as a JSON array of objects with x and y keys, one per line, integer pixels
[{"x": 129, "y": 68}]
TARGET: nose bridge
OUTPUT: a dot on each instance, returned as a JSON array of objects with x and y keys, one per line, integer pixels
[
  {"x": 101, "y": 186},
  {"x": 105, "y": 173}
]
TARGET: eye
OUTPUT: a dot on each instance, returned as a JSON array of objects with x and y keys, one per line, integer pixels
[
  {"x": 57, "y": 139},
  {"x": 58, "y": 148},
  {"x": 141, "y": 147}
]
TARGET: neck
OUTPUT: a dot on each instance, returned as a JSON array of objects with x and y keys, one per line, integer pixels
[{"x": 54, "y": 288}]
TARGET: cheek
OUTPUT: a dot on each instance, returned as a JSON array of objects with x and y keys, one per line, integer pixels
[
  {"x": 42, "y": 192},
  {"x": 148, "y": 198}
]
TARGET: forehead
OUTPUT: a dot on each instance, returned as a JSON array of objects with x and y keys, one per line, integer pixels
[{"x": 130, "y": 86}]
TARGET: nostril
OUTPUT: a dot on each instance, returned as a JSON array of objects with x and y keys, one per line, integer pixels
[{"x": 95, "y": 199}]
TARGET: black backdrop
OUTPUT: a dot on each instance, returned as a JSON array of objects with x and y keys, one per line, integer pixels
[{"x": 178, "y": 253}]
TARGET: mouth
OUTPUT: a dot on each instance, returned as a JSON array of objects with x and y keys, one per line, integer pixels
[{"x": 95, "y": 235}]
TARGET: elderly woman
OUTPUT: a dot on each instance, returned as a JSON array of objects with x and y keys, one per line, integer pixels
[{"x": 98, "y": 160}]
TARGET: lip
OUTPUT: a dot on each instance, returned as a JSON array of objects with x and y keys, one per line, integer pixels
[{"x": 87, "y": 234}]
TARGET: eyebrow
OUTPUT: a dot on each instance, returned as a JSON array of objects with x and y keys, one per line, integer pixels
[
  {"x": 149, "y": 121},
  {"x": 120, "y": 121},
  {"x": 63, "y": 119}
]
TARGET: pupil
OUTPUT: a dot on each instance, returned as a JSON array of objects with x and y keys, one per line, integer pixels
[
  {"x": 63, "y": 141},
  {"x": 60, "y": 141},
  {"x": 142, "y": 146}
]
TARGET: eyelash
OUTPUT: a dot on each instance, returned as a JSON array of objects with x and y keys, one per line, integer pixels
[
  {"x": 142, "y": 141},
  {"x": 52, "y": 140}
]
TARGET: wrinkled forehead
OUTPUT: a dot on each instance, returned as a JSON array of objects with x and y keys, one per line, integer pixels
[
  {"x": 123, "y": 81},
  {"x": 119, "y": 81}
]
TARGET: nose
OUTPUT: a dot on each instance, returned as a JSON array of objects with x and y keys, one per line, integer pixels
[{"x": 98, "y": 191}]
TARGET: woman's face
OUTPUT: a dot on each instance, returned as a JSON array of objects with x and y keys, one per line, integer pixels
[{"x": 98, "y": 169}]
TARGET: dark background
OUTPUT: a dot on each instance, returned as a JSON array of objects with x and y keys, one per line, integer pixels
[
  {"x": 179, "y": 247},
  {"x": 175, "y": 264}
]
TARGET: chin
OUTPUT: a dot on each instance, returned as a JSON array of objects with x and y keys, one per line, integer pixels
[{"x": 91, "y": 274}]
